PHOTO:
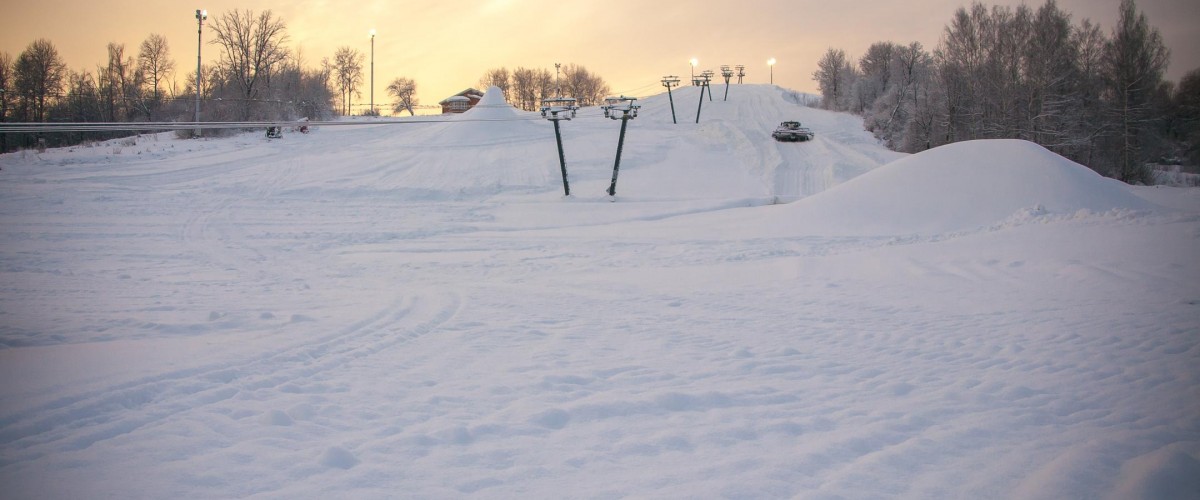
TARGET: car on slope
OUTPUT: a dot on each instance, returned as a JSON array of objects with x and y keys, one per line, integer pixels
[{"x": 791, "y": 131}]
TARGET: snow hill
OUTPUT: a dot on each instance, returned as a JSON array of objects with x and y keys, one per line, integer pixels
[{"x": 414, "y": 309}]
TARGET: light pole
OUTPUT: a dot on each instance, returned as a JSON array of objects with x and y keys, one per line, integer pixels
[
  {"x": 771, "y": 64},
  {"x": 694, "y": 62},
  {"x": 201, "y": 15},
  {"x": 372, "y": 71}
]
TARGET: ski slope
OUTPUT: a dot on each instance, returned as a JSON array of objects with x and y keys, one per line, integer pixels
[{"x": 416, "y": 310}]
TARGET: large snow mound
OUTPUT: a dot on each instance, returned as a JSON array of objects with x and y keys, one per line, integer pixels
[
  {"x": 492, "y": 106},
  {"x": 492, "y": 121},
  {"x": 963, "y": 186}
]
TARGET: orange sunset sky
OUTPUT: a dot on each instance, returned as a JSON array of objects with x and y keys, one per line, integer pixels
[{"x": 446, "y": 46}]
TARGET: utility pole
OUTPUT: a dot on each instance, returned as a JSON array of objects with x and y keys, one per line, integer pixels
[
  {"x": 201, "y": 15},
  {"x": 708, "y": 74},
  {"x": 628, "y": 112},
  {"x": 555, "y": 109},
  {"x": 668, "y": 82},
  {"x": 741, "y": 71}
]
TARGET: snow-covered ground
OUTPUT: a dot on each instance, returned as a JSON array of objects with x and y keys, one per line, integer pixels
[{"x": 415, "y": 310}]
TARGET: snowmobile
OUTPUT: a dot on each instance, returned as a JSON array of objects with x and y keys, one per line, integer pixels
[{"x": 792, "y": 132}]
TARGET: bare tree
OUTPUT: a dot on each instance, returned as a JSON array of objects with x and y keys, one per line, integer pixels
[
  {"x": 498, "y": 77},
  {"x": 117, "y": 83},
  {"x": 524, "y": 89},
  {"x": 252, "y": 47},
  {"x": 38, "y": 77},
  {"x": 6, "y": 94},
  {"x": 1087, "y": 124},
  {"x": 1187, "y": 107},
  {"x": 405, "y": 92},
  {"x": 1134, "y": 60},
  {"x": 6, "y": 85},
  {"x": 348, "y": 70},
  {"x": 587, "y": 89},
  {"x": 155, "y": 64}
]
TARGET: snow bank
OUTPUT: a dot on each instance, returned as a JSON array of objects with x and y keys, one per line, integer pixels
[{"x": 963, "y": 186}]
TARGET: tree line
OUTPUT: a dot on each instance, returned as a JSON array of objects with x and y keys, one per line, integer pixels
[
  {"x": 1099, "y": 99},
  {"x": 525, "y": 88},
  {"x": 257, "y": 77}
]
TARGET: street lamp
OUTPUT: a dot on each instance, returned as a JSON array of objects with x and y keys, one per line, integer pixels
[
  {"x": 694, "y": 62},
  {"x": 201, "y": 16},
  {"x": 372, "y": 71},
  {"x": 771, "y": 64}
]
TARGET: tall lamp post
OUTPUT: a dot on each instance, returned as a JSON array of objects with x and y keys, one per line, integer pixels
[
  {"x": 694, "y": 62},
  {"x": 201, "y": 15},
  {"x": 372, "y": 71},
  {"x": 771, "y": 64}
]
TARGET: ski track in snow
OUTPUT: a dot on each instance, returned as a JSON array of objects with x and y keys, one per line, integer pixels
[{"x": 371, "y": 311}]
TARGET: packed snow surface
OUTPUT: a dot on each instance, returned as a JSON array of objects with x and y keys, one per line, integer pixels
[{"x": 416, "y": 310}]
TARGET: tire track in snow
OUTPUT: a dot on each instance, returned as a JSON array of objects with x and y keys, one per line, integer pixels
[{"x": 76, "y": 423}]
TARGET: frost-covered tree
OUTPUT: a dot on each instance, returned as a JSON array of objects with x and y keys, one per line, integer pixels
[
  {"x": 905, "y": 98},
  {"x": 834, "y": 75},
  {"x": 1002, "y": 72},
  {"x": 1134, "y": 60},
  {"x": 875, "y": 72},
  {"x": 404, "y": 90},
  {"x": 1086, "y": 123},
  {"x": 1051, "y": 74}
]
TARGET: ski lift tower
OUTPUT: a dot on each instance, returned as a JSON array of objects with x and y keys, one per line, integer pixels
[
  {"x": 708, "y": 74},
  {"x": 727, "y": 73},
  {"x": 555, "y": 109},
  {"x": 628, "y": 111},
  {"x": 668, "y": 82},
  {"x": 741, "y": 71},
  {"x": 702, "y": 82}
]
